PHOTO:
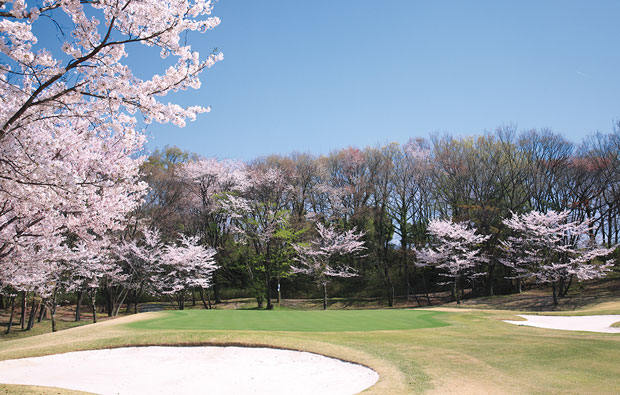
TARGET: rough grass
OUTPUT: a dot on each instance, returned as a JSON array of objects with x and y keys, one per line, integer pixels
[{"x": 294, "y": 320}]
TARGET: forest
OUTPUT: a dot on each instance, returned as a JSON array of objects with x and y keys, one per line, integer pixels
[{"x": 483, "y": 215}]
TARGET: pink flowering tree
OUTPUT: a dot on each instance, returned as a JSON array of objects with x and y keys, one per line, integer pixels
[
  {"x": 85, "y": 269},
  {"x": 139, "y": 258},
  {"x": 550, "y": 248},
  {"x": 321, "y": 258},
  {"x": 69, "y": 125},
  {"x": 455, "y": 250},
  {"x": 182, "y": 267}
]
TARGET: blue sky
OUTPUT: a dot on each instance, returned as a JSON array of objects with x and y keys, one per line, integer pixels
[{"x": 321, "y": 75}]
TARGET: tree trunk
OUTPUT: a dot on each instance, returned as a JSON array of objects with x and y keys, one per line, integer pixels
[
  {"x": 128, "y": 306},
  {"x": 174, "y": 306},
  {"x": 135, "y": 300},
  {"x": 456, "y": 290},
  {"x": 109, "y": 302},
  {"x": 428, "y": 298},
  {"x": 411, "y": 289},
  {"x": 124, "y": 293},
  {"x": 490, "y": 286},
  {"x": 404, "y": 263},
  {"x": 268, "y": 285},
  {"x": 33, "y": 313},
  {"x": 22, "y": 319},
  {"x": 555, "y": 294},
  {"x": 78, "y": 316},
  {"x": 216, "y": 291},
  {"x": 389, "y": 286},
  {"x": 42, "y": 311},
  {"x": 279, "y": 293},
  {"x": 324, "y": 296},
  {"x": 93, "y": 301},
  {"x": 181, "y": 298},
  {"x": 193, "y": 296},
  {"x": 10, "y": 324},
  {"x": 570, "y": 281},
  {"x": 202, "y": 297},
  {"x": 52, "y": 307}
]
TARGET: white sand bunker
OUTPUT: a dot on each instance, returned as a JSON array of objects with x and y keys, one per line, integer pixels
[
  {"x": 191, "y": 370},
  {"x": 588, "y": 323}
]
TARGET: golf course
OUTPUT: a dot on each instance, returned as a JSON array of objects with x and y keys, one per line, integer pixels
[{"x": 434, "y": 350}]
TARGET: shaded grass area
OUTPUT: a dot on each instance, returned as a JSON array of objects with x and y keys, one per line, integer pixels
[
  {"x": 294, "y": 320},
  {"x": 581, "y": 296}
]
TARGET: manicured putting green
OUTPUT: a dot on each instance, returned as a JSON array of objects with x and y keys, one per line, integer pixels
[{"x": 287, "y": 320}]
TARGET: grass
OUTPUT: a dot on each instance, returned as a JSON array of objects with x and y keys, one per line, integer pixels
[
  {"x": 436, "y": 350},
  {"x": 475, "y": 353},
  {"x": 37, "y": 329},
  {"x": 293, "y": 320},
  {"x": 581, "y": 297}
]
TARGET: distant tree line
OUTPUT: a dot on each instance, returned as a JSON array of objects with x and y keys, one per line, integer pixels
[
  {"x": 491, "y": 214},
  {"x": 254, "y": 213}
]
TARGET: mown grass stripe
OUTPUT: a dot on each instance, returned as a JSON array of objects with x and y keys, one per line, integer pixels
[{"x": 303, "y": 321}]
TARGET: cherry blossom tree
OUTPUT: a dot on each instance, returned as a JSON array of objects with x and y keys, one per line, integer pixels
[
  {"x": 552, "y": 249},
  {"x": 183, "y": 266},
  {"x": 454, "y": 248},
  {"x": 85, "y": 267},
  {"x": 69, "y": 126},
  {"x": 140, "y": 258},
  {"x": 36, "y": 267},
  {"x": 319, "y": 259}
]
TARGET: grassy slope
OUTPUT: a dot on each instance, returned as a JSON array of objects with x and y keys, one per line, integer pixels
[{"x": 475, "y": 353}]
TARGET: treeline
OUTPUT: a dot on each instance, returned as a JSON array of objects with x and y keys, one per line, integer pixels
[{"x": 253, "y": 213}]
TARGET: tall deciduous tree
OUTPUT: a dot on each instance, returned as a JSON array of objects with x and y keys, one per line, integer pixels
[
  {"x": 455, "y": 249},
  {"x": 319, "y": 258},
  {"x": 552, "y": 249},
  {"x": 184, "y": 266},
  {"x": 68, "y": 123}
]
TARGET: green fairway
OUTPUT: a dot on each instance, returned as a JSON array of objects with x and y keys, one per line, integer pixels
[{"x": 287, "y": 320}]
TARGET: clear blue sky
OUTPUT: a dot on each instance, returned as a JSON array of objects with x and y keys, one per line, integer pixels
[{"x": 321, "y": 75}]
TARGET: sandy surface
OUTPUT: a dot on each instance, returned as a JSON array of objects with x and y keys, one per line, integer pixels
[
  {"x": 588, "y": 323},
  {"x": 190, "y": 370}
]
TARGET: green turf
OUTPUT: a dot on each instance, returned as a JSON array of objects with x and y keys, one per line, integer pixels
[{"x": 290, "y": 320}]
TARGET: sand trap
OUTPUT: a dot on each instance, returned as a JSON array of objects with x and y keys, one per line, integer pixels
[
  {"x": 191, "y": 370},
  {"x": 588, "y": 323}
]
